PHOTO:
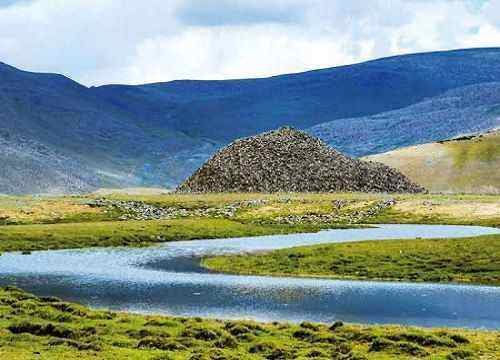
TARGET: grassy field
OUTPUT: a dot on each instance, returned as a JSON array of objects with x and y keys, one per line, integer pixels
[
  {"x": 463, "y": 165},
  {"x": 48, "y": 328},
  {"x": 133, "y": 233},
  {"x": 466, "y": 260},
  {"x": 38, "y": 223}
]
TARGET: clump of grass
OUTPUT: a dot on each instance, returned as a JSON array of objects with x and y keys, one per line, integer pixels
[{"x": 41, "y": 329}]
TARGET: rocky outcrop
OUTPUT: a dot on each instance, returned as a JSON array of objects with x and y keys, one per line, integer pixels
[{"x": 288, "y": 160}]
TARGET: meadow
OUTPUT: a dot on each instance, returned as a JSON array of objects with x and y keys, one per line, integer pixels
[
  {"x": 48, "y": 328},
  {"x": 34, "y": 327},
  {"x": 41, "y": 223}
]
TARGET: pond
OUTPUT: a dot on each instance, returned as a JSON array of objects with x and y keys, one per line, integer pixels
[{"x": 167, "y": 279}]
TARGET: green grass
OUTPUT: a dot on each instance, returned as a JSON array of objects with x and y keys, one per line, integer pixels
[
  {"x": 48, "y": 328},
  {"x": 132, "y": 233},
  {"x": 465, "y": 260},
  {"x": 67, "y": 222},
  {"x": 484, "y": 149}
]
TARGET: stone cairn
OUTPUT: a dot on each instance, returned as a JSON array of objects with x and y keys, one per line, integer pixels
[{"x": 288, "y": 160}]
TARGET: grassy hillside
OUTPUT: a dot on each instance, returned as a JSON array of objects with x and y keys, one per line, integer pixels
[{"x": 468, "y": 165}]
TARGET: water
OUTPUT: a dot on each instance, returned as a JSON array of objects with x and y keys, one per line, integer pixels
[{"x": 167, "y": 279}]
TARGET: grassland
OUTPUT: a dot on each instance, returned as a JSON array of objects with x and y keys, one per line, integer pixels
[
  {"x": 74, "y": 222},
  {"x": 462, "y": 165},
  {"x": 132, "y": 233},
  {"x": 48, "y": 328},
  {"x": 466, "y": 260}
]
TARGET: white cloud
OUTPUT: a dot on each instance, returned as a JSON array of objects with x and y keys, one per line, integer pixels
[{"x": 120, "y": 41}]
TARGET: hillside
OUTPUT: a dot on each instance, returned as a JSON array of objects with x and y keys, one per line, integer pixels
[
  {"x": 467, "y": 164},
  {"x": 225, "y": 110},
  {"x": 288, "y": 160},
  {"x": 466, "y": 110},
  {"x": 60, "y": 136},
  {"x": 57, "y": 136}
]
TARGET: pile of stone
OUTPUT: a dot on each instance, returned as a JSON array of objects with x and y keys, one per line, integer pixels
[{"x": 288, "y": 160}]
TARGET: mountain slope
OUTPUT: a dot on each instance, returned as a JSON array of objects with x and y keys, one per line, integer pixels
[
  {"x": 470, "y": 109},
  {"x": 224, "y": 110},
  {"x": 57, "y": 135},
  {"x": 467, "y": 164}
]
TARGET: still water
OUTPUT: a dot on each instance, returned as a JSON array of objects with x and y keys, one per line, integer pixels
[{"x": 167, "y": 279}]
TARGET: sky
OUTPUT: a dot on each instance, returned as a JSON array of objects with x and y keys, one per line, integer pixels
[{"x": 99, "y": 42}]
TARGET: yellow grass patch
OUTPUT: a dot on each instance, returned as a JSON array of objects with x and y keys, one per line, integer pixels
[
  {"x": 39, "y": 210},
  {"x": 461, "y": 209}
]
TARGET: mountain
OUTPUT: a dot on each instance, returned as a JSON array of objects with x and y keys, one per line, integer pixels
[
  {"x": 60, "y": 136},
  {"x": 465, "y": 165},
  {"x": 288, "y": 160},
  {"x": 225, "y": 110},
  {"x": 465, "y": 110}
]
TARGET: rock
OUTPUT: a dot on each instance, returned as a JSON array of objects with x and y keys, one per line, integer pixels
[{"x": 288, "y": 160}]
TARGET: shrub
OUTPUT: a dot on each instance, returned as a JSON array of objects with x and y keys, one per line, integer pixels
[
  {"x": 201, "y": 333},
  {"x": 304, "y": 334},
  {"x": 160, "y": 343},
  {"x": 76, "y": 344},
  {"x": 226, "y": 341},
  {"x": 310, "y": 326},
  {"x": 237, "y": 329},
  {"x": 336, "y": 325},
  {"x": 41, "y": 329},
  {"x": 460, "y": 355},
  {"x": 424, "y": 340},
  {"x": 381, "y": 344},
  {"x": 262, "y": 347},
  {"x": 459, "y": 339}
]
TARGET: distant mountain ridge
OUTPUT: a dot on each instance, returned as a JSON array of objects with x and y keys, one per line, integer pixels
[
  {"x": 60, "y": 136},
  {"x": 466, "y": 110}
]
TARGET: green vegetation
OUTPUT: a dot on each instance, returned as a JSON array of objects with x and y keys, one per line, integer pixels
[
  {"x": 40, "y": 223},
  {"x": 48, "y": 328},
  {"x": 484, "y": 149},
  {"x": 132, "y": 233},
  {"x": 469, "y": 260}
]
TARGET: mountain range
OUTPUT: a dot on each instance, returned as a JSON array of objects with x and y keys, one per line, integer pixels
[{"x": 59, "y": 136}]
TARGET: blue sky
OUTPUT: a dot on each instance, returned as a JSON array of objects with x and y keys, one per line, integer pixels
[{"x": 126, "y": 41}]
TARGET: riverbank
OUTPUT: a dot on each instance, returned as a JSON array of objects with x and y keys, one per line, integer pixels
[
  {"x": 41, "y": 223},
  {"x": 473, "y": 260},
  {"x": 48, "y": 328}
]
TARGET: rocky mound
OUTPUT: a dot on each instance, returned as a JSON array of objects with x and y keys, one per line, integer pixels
[{"x": 288, "y": 160}]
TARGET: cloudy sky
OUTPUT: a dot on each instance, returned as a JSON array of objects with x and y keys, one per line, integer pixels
[{"x": 128, "y": 41}]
